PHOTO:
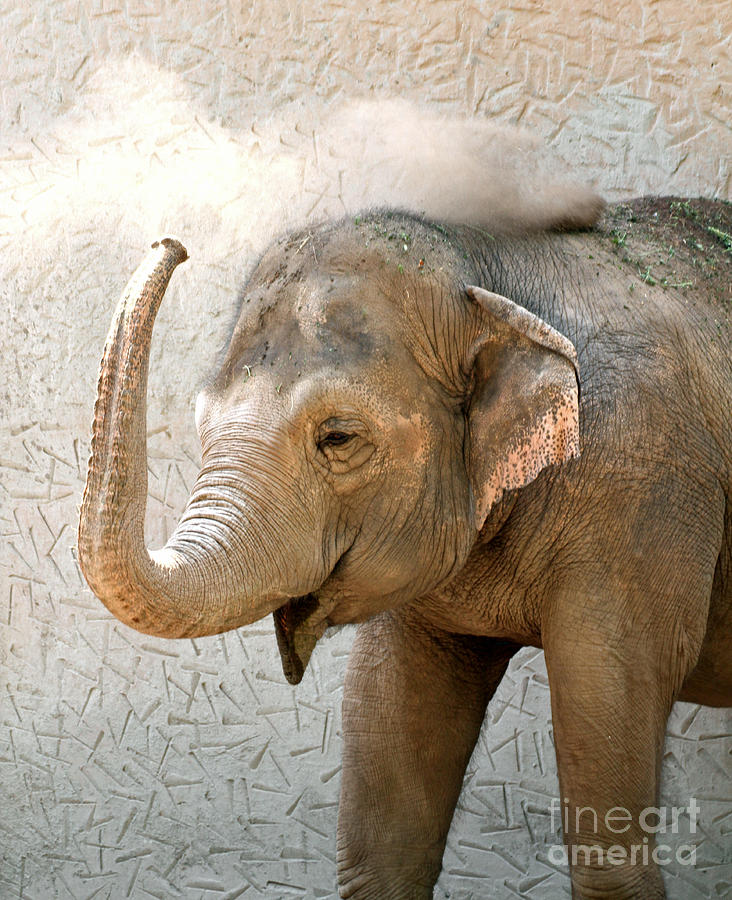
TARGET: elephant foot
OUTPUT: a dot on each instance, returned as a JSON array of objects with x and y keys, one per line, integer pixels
[
  {"x": 617, "y": 882},
  {"x": 355, "y": 885}
]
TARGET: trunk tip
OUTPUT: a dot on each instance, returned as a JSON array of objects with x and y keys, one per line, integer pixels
[{"x": 173, "y": 246}]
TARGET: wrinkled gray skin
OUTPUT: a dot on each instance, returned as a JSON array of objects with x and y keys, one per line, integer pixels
[{"x": 390, "y": 447}]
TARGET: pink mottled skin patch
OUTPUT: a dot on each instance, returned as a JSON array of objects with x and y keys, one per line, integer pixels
[{"x": 554, "y": 439}]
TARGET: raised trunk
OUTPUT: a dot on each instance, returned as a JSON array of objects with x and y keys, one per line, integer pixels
[{"x": 201, "y": 581}]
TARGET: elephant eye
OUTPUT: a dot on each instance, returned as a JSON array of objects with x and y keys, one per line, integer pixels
[
  {"x": 335, "y": 439},
  {"x": 344, "y": 444}
]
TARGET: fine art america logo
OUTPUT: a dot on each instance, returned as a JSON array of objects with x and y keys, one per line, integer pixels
[{"x": 653, "y": 822}]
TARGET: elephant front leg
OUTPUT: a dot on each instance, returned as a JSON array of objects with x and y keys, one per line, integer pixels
[
  {"x": 612, "y": 685},
  {"x": 413, "y": 706}
]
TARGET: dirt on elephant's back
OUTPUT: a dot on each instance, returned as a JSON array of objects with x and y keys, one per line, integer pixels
[{"x": 678, "y": 244}]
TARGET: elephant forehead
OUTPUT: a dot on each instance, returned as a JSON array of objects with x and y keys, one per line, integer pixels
[
  {"x": 345, "y": 307},
  {"x": 320, "y": 344},
  {"x": 336, "y": 322}
]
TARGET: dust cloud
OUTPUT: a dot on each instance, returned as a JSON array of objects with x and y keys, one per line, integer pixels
[
  {"x": 458, "y": 170},
  {"x": 90, "y": 180},
  {"x": 134, "y": 153}
]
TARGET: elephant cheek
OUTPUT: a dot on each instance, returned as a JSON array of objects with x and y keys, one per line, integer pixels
[{"x": 411, "y": 440}]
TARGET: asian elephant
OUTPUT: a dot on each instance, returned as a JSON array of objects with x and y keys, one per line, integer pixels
[{"x": 466, "y": 442}]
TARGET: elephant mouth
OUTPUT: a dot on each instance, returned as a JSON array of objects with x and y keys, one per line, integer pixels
[{"x": 299, "y": 624}]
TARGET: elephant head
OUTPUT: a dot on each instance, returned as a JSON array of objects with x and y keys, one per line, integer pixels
[{"x": 370, "y": 410}]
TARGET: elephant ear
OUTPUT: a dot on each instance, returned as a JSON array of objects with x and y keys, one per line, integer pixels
[{"x": 523, "y": 412}]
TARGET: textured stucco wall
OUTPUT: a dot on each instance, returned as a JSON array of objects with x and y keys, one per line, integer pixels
[{"x": 132, "y": 767}]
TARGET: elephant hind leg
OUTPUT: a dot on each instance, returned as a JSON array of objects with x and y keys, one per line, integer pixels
[{"x": 413, "y": 706}]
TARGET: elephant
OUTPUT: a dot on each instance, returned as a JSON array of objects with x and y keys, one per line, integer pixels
[{"x": 466, "y": 442}]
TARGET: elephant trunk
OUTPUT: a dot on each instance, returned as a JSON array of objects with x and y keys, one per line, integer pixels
[{"x": 201, "y": 582}]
